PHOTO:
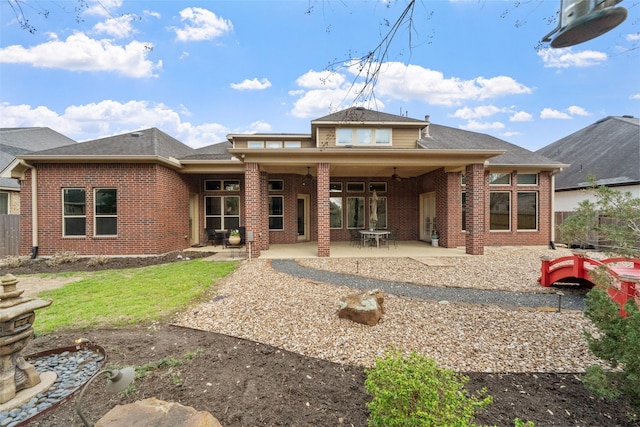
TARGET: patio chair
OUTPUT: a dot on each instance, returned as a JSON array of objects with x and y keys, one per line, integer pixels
[
  {"x": 214, "y": 236},
  {"x": 391, "y": 238},
  {"x": 356, "y": 238}
]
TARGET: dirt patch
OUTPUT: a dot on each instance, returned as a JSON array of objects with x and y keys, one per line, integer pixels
[{"x": 243, "y": 383}]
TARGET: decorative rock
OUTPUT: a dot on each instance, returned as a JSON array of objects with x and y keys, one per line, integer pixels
[
  {"x": 153, "y": 412},
  {"x": 363, "y": 307}
]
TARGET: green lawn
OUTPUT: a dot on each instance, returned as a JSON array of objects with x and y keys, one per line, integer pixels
[{"x": 123, "y": 297}]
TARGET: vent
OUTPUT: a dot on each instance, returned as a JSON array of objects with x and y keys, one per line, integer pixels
[{"x": 136, "y": 134}]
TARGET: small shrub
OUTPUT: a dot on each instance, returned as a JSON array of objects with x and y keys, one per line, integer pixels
[
  {"x": 414, "y": 391},
  {"x": 58, "y": 258},
  {"x": 98, "y": 260},
  {"x": 521, "y": 423},
  {"x": 13, "y": 261}
]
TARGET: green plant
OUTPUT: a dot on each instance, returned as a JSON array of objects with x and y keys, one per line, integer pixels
[
  {"x": 58, "y": 258},
  {"x": 414, "y": 391},
  {"x": 520, "y": 423},
  {"x": 617, "y": 343},
  {"x": 193, "y": 354},
  {"x": 234, "y": 233}
]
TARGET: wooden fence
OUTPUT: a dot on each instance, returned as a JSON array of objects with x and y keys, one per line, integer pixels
[{"x": 9, "y": 235}]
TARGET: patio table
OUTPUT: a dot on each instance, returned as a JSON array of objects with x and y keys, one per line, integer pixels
[{"x": 374, "y": 234}]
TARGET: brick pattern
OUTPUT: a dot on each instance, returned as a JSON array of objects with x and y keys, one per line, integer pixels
[
  {"x": 324, "y": 236},
  {"x": 254, "y": 206},
  {"x": 153, "y": 209},
  {"x": 476, "y": 208}
]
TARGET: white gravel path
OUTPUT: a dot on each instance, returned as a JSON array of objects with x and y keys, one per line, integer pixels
[{"x": 259, "y": 304}]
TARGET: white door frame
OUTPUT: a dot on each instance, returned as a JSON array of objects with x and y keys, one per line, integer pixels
[
  {"x": 194, "y": 219},
  {"x": 427, "y": 215},
  {"x": 305, "y": 217}
]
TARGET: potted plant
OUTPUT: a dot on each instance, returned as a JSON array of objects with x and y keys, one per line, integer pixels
[
  {"x": 234, "y": 237},
  {"x": 434, "y": 238}
]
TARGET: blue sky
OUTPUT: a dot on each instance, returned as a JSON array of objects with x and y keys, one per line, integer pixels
[{"x": 199, "y": 70}]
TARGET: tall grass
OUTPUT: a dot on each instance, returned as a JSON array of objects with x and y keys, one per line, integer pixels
[{"x": 123, "y": 297}]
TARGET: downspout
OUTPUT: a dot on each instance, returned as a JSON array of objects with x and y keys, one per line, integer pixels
[
  {"x": 552, "y": 208},
  {"x": 34, "y": 213}
]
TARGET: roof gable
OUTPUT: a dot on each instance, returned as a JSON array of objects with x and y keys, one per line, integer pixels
[
  {"x": 608, "y": 149},
  {"x": 363, "y": 115}
]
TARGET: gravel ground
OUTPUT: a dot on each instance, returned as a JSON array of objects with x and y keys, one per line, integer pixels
[{"x": 300, "y": 315}]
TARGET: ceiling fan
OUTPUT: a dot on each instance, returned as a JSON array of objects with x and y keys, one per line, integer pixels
[{"x": 395, "y": 175}]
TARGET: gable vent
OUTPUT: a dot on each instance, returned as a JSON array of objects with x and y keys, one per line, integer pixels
[{"x": 136, "y": 134}]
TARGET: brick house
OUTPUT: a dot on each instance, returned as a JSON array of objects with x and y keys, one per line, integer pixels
[{"x": 147, "y": 193}]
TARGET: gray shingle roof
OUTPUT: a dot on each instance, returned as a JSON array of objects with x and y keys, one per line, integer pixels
[
  {"x": 609, "y": 149},
  {"x": 444, "y": 137},
  {"x": 148, "y": 142},
  {"x": 359, "y": 114},
  {"x": 17, "y": 141},
  {"x": 211, "y": 152}
]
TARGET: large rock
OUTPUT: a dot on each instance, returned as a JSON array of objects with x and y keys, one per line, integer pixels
[
  {"x": 153, "y": 412},
  {"x": 363, "y": 307}
]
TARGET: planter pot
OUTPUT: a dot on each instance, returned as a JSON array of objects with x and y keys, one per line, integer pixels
[
  {"x": 434, "y": 243},
  {"x": 234, "y": 240}
]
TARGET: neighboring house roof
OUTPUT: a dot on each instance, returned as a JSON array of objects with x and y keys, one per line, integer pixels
[
  {"x": 211, "y": 152},
  {"x": 144, "y": 143},
  {"x": 19, "y": 141},
  {"x": 609, "y": 150},
  {"x": 444, "y": 137}
]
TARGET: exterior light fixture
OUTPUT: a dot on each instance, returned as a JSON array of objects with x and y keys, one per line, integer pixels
[
  {"x": 583, "y": 20},
  {"x": 117, "y": 381}
]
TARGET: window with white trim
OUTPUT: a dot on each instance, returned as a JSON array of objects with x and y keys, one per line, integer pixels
[
  {"x": 4, "y": 202},
  {"x": 74, "y": 212},
  {"x": 527, "y": 179},
  {"x": 499, "y": 179},
  {"x": 221, "y": 185},
  {"x": 527, "y": 210},
  {"x": 222, "y": 212},
  {"x": 363, "y": 136},
  {"x": 335, "y": 212},
  {"x": 355, "y": 212},
  {"x": 276, "y": 212},
  {"x": 106, "y": 212},
  {"x": 500, "y": 211}
]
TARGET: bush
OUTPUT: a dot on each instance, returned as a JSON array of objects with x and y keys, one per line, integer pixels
[
  {"x": 58, "y": 258},
  {"x": 414, "y": 391},
  {"x": 98, "y": 260},
  {"x": 617, "y": 342},
  {"x": 13, "y": 261}
]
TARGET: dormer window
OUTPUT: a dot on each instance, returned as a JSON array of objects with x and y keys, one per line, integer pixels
[{"x": 363, "y": 136}]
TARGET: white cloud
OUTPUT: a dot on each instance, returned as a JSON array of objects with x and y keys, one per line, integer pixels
[
  {"x": 577, "y": 111},
  {"x": 633, "y": 37},
  {"x": 510, "y": 134},
  {"x": 81, "y": 53},
  {"x": 105, "y": 118},
  {"x": 474, "y": 125},
  {"x": 477, "y": 112},
  {"x": 102, "y": 7},
  {"x": 201, "y": 24},
  {"x": 520, "y": 116},
  {"x": 253, "y": 84},
  {"x": 635, "y": 96},
  {"x": 413, "y": 82},
  {"x": 259, "y": 126},
  {"x": 119, "y": 27},
  {"x": 549, "y": 113},
  {"x": 324, "y": 90},
  {"x": 565, "y": 58}
]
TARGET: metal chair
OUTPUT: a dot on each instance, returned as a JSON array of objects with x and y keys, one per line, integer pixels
[
  {"x": 356, "y": 238},
  {"x": 214, "y": 236}
]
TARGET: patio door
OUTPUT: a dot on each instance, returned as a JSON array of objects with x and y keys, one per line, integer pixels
[
  {"x": 194, "y": 219},
  {"x": 427, "y": 215},
  {"x": 303, "y": 217}
]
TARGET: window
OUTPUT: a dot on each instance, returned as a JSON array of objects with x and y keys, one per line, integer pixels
[
  {"x": 292, "y": 144},
  {"x": 382, "y": 212},
  {"x": 275, "y": 185},
  {"x": 335, "y": 212},
  {"x": 4, "y": 202},
  {"x": 335, "y": 187},
  {"x": 276, "y": 213},
  {"x": 74, "y": 217},
  {"x": 355, "y": 212},
  {"x": 106, "y": 212},
  {"x": 527, "y": 210},
  {"x": 380, "y": 187},
  {"x": 363, "y": 136},
  {"x": 220, "y": 185},
  {"x": 274, "y": 144},
  {"x": 499, "y": 216},
  {"x": 222, "y": 213},
  {"x": 464, "y": 211},
  {"x": 355, "y": 187},
  {"x": 499, "y": 179},
  {"x": 255, "y": 144},
  {"x": 527, "y": 179}
]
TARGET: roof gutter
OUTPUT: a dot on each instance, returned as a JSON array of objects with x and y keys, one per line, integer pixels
[{"x": 170, "y": 162}]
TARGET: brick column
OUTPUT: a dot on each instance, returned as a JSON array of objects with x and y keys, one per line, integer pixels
[
  {"x": 324, "y": 232},
  {"x": 474, "y": 240},
  {"x": 253, "y": 206}
]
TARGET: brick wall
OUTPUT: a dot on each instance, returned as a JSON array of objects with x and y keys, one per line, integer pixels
[{"x": 152, "y": 205}]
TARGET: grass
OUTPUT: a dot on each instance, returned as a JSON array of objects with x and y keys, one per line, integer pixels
[{"x": 112, "y": 298}]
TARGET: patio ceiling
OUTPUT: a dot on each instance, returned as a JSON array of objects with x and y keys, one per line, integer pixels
[{"x": 345, "y": 162}]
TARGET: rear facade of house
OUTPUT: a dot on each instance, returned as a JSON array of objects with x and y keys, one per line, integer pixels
[{"x": 146, "y": 193}]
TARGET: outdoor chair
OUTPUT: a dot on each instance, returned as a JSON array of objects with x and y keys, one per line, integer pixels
[
  {"x": 214, "y": 236},
  {"x": 391, "y": 238},
  {"x": 356, "y": 238}
]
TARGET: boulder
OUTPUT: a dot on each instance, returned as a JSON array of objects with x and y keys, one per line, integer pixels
[
  {"x": 363, "y": 307},
  {"x": 153, "y": 412}
]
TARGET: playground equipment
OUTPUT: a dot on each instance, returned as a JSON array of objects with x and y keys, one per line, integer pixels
[{"x": 577, "y": 268}]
